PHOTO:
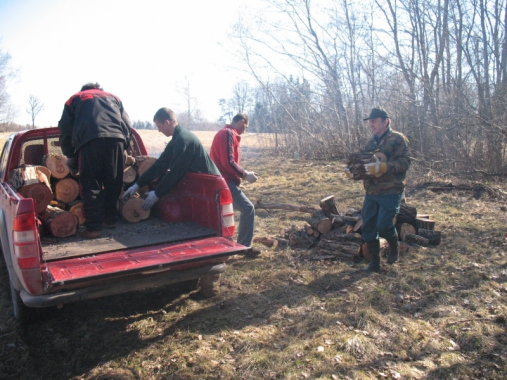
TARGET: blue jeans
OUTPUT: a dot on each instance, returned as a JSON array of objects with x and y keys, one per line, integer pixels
[
  {"x": 378, "y": 216},
  {"x": 247, "y": 217}
]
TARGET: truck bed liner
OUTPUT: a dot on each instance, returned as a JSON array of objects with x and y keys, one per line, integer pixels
[{"x": 125, "y": 235}]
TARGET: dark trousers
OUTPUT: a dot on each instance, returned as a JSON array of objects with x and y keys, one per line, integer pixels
[
  {"x": 101, "y": 164},
  {"x": 378, "y": 216}
]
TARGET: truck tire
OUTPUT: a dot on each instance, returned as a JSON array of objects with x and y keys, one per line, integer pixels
[
  {"x": 21, "y": 312},
  {"x": 209, "y": 286}
]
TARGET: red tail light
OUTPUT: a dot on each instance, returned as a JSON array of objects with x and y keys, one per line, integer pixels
[
  {"x": 24, "y": 236},
  {"x": 227, "y": 213}
]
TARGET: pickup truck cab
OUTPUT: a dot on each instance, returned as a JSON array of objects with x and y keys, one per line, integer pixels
[{"x": 189, "y": 236}]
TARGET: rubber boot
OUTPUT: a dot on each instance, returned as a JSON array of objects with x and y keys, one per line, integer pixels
[
  {"x": 393, "y": 249},
  {"x": 374, "y": 253}
]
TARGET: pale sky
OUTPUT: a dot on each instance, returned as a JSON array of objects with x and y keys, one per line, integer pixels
[{"x": 142, "y": 51}]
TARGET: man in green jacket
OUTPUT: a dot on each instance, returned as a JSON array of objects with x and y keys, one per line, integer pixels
[
  {"x": 384, "y": 188},
  {"x": 183, "y": 154}
]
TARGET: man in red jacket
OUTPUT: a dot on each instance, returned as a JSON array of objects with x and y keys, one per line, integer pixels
[{"x": 225, "y": 154}]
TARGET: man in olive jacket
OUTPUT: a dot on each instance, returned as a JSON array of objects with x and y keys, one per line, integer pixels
[
  {"x": 183, "y": 154},
  {"x": 384, "y": 188}
]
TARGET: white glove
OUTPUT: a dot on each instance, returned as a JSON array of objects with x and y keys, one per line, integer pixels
[
  {"x": 376, "y": 168},
  {"x": 347, "y": 173},
  {"x": 250, "y": 177},
  {"x": 131, "y": 191},
  {"x": 150, "y": 201}
]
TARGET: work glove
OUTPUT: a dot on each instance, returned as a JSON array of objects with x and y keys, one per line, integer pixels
[
  {"x": 347, "y": 173},
  {"x": 149, "y": 201},
  {"x": 376, "y": 168},
  {"x": 72, "y": 164},
  {"x": 250, "y": 177},
  {"x": 130, "y": 191}
]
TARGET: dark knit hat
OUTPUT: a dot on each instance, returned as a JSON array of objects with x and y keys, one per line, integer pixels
[{"x": 377, "y": 112}]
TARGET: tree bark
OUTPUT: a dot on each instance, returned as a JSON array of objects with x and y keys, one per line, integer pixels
[
  {"x": 434, "y": 237},
  {"x": 143, "y": 163},
  {"x": 416, "y": 239},
  {"x": 407, "y": 214},
  {"x": 320, "y": 222},
  {"x": 28, "y": 175},
  {"x": 40, "y": 193},
  {"x": 329, "y": 206}
]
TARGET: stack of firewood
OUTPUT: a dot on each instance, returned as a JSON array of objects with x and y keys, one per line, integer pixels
[
  {"x": 55, "y": 190},
  {"x": 335, "y": 236}
]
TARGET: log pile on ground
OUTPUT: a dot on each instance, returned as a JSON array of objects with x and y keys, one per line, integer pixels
[{"x": 333, "y": 236}]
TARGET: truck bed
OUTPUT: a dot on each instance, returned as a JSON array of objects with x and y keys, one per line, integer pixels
[{"x": 148, "y": 232}]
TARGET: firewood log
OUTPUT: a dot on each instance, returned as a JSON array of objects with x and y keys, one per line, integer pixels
[
  {"x": 60, "y": 223},
  {"x": 76, "y": 208},
  {"x": 329, "y": 206},
  {"x": 57, "y": 163},
  {"x": 326, "y": 254},
  {"x": 66, "y": 190},
  {"x": 309, "y": 229},
  {"x": 301, "y": 239},
  {"x": 143, "y": 163},
  {"x": 129, "y": 175},
  {"x": 416, "y": 239},
  {"x": 425, "y": 223},
  {"x": 268, "y": 242},
  {"x": 130, "y": 160},
  {"x": 434, "y": 237},
  {"x": 335, "y": 235},
  {"x": 320, "y": 222},
  {"x": 407, "y": 214},
  {"x": 341, "y": 220},
  {"x": 131, "y": 210},
  {"x": 406, "y": 228},
  {"x": 28, "y": 175},
  {"x": 356, "y": 162},
  {"x": 348, "y": 248},
  {"x": 40, "y": 193}
]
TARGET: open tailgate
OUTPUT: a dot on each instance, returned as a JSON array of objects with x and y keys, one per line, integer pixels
[{"x": 154, "y": 258}]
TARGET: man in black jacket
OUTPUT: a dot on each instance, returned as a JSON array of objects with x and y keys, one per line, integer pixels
[{"x": 95, "y": 130}]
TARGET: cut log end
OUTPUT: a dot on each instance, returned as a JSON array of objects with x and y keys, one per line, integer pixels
[
  {"x": 57, "y": 163},
  {"x": 131, "y": 210}
]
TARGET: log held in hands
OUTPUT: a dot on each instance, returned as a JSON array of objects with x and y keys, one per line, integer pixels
[{"x": 131, "y": 209}]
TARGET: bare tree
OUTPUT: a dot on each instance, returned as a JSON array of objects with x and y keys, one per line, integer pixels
[
  {"x": 35, "y": 106},
  {"x": 6, "y": 73}
]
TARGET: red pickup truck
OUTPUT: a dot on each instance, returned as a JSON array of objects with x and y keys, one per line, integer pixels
[{"x": 187, "y": 237}]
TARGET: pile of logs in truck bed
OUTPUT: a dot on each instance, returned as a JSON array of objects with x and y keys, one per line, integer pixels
[
  {"x": 338, "y": 237},
  {"x": 55, "y": 190}
]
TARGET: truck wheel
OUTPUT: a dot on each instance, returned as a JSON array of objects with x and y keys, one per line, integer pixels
[
  {"x": 209, "y": 286},
  {"x": 21, "y": 312}
]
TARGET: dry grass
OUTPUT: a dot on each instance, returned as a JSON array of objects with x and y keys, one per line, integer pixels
[{"x": 439, "y": 313}]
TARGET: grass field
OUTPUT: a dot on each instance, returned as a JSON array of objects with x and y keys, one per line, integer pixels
[{"x": 439, "y": 313}]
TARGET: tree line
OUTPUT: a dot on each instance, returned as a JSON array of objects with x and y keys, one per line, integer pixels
[{"x": 438, "y": 66}]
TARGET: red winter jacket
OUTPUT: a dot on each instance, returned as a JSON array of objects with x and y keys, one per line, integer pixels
[{"x": 225, "y": 154}]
